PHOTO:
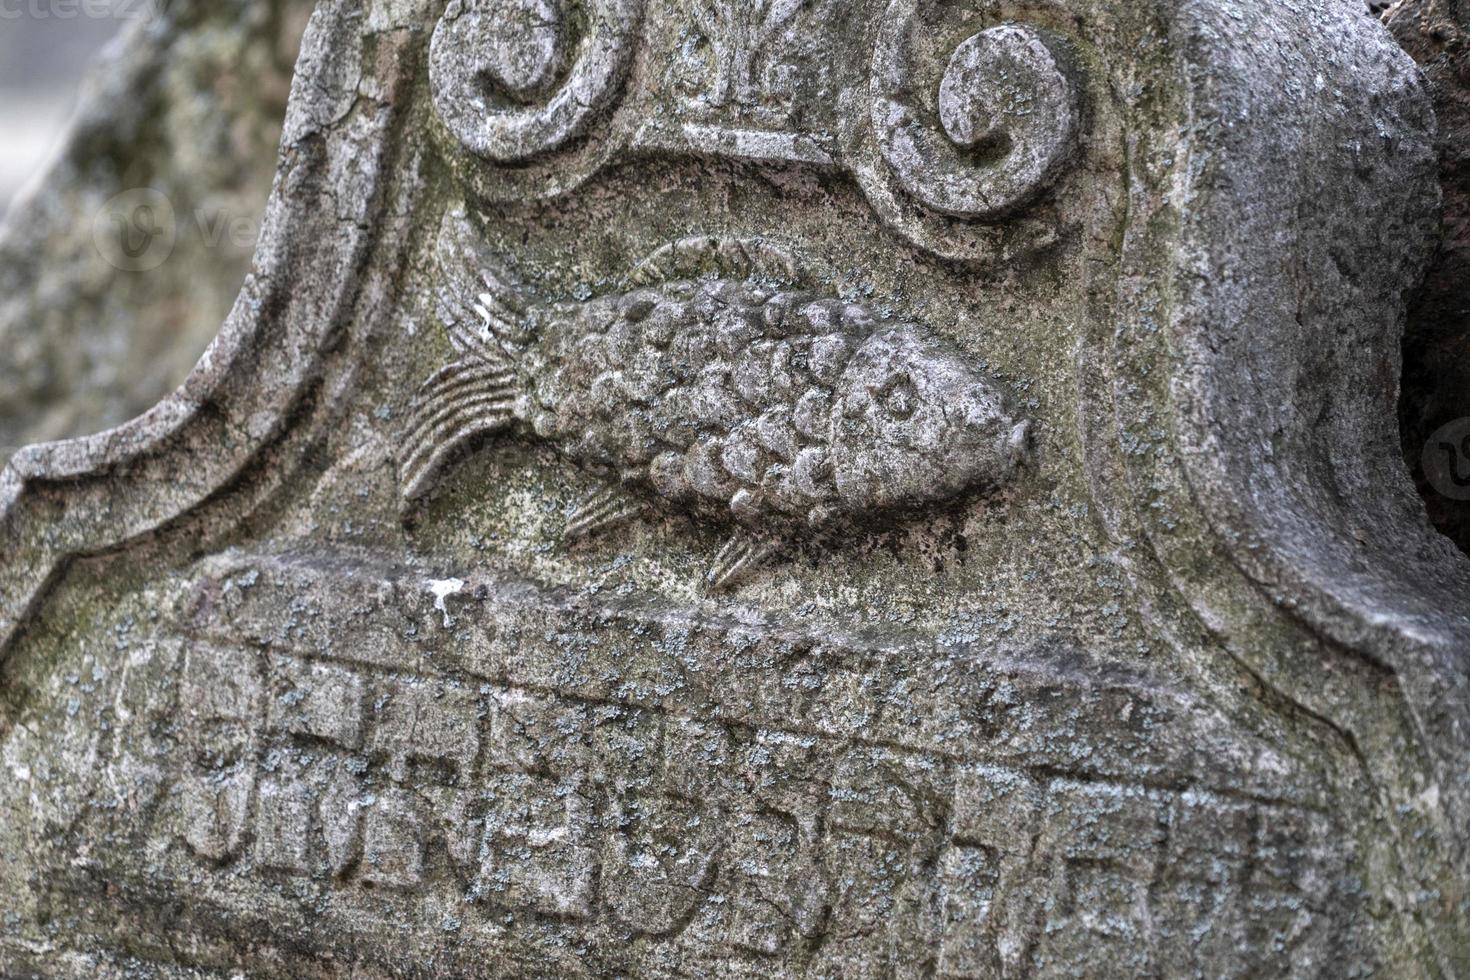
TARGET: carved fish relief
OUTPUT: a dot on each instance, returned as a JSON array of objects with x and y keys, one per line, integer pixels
[{"x": 712, "y": 386}]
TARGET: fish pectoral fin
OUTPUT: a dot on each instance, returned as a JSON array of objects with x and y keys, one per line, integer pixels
[
  {"x": 467, "y": 399},
  {"x": 603, "y": 511},
  {"x": 741, "y": 555}
]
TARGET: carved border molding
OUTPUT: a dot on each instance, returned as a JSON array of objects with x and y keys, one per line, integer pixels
[
  {"x": 539, "y": 110},
  {"x": 1280, "y": 370}
]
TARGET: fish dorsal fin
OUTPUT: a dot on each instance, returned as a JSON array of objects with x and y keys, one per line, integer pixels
[
  {"x": 482, "y": 305},
  {"x": 721, "y": 257}
]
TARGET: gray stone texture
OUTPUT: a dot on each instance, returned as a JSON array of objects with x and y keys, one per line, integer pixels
[{"x": 1170, "y": 681}]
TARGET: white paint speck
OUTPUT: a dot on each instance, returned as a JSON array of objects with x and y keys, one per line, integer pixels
[{"x": 442, "y": 589}]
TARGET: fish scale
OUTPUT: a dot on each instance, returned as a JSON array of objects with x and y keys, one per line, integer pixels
[
  {"x": 715, "y": 389},
  {"x": 703, "y": 420}
]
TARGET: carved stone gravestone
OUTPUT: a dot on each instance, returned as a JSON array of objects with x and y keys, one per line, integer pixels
[{"x": 769, "y": 488}]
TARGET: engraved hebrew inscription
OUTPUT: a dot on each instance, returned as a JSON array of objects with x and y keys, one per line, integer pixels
[
  {"x": 1015, "y": 867},
  {"x": 737, "y": 398},
  {"x": 604, "y": 811}
]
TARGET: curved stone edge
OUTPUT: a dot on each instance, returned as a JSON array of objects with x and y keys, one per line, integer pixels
[
  {"x": 61, "y": 501},
  {"x": 1307, "y": 209}
]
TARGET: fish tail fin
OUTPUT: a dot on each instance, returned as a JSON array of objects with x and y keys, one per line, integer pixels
[
  {"x": 485, "y": 312},
  {"x": 470, "y": 398},
  {"x": 482, "y": 305}
]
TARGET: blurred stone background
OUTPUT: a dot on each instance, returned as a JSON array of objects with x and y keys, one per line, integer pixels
[
  {"x": 176, "y": 129},
  {"x": 42, "y": 61}
]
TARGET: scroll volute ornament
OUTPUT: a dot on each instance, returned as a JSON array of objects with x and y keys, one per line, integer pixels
[
  {"x": 1005, "y": 124},
  {"x": 514, "y": 80}
]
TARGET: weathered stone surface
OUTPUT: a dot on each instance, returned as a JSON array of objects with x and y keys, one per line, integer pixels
[
  {"x": 174, "y": 145},
  {"x": 317, "y": 670}
]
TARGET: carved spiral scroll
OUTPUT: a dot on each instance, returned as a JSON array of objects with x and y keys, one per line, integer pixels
[
  {"x": 516, "y": 79},
  {"x": 1006, "y": 121}
]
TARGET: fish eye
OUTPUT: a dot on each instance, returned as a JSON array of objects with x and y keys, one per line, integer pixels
[{"x": 899, "y": 398}]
